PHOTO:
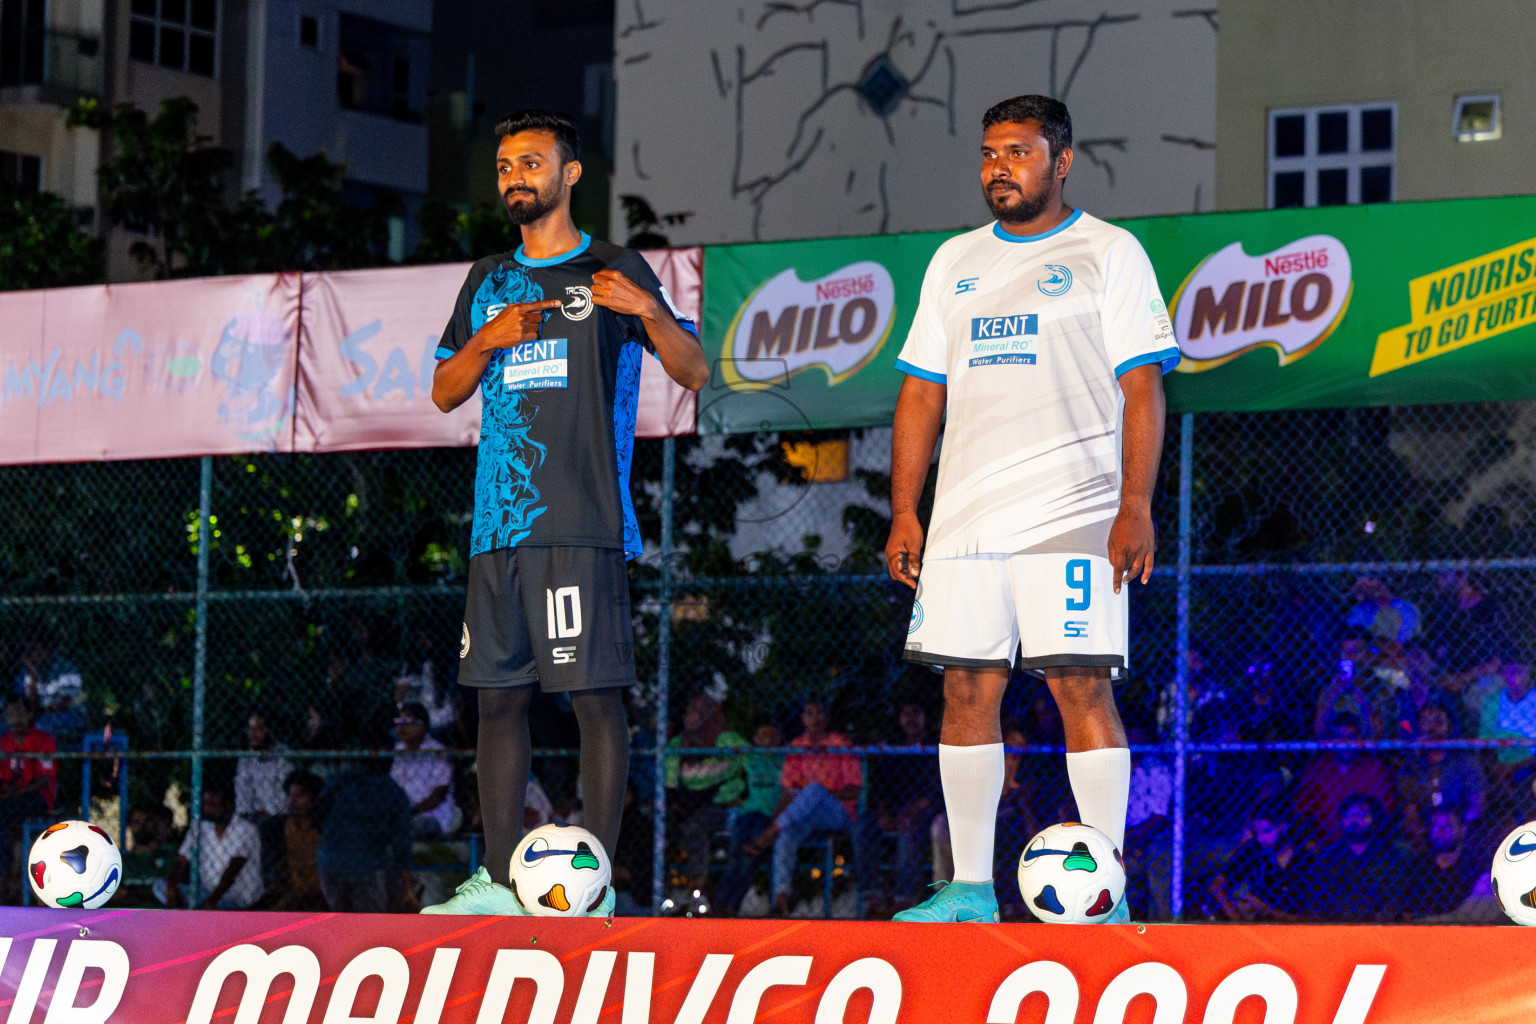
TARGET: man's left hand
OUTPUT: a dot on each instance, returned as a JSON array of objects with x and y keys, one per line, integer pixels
[
  {"x": 612, "y": 290},
  {"x": 1132, "y": 543}
]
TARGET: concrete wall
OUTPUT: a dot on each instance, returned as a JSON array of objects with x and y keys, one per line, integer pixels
[
  {"x": 1418, "y": 53},
  {"x": 747, "y": 116}
]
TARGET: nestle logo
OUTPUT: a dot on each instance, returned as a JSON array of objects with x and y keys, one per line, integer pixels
[
  {"x": 844, "y": 288},
  {"x": 983, "y": 327},
  {"x": 1295, "y": 262}
]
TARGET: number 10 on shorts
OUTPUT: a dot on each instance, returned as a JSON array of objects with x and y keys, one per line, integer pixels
[{"x": 563, "y": 612}]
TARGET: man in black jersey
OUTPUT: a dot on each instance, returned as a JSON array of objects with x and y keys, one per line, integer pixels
[{"x": 552, "y": 336}]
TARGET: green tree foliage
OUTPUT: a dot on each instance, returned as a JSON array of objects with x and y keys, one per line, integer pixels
[{"x": 41, "y": 244}]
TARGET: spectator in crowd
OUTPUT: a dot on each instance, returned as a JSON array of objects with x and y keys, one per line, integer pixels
[
  {"x": 701, "y": 788},
  {"x": 1148, "y": 848},
  {"x": 426, "y": 780},
  {"x": 151, "y": 854},
  {"x": 1366, "y": 684},
  {"x": 1339, "y": 773},
  {"x": 1471, "y": 625},
  {"x": 289, "y": 842},
  {"x": 755, "y": 814},
  {"x": 1269, "y": 876},
  {"x": 1510, "y": 713},
  {"x": 364, "y": 853},
  {"x": 28, "y": 785},
  {"x": 1205, "y": 696},
  {"x": 259, "y": 792},
  {"x": 819, "y": 792},
  {"x": 1381, "y": 613},
  {"x": 904, "y": 796},
  {"x": 1441, "y": 882},
  {"x": 1434, "y": 777},
  {"x": 229, "y": 856},
  {"x": 426, "y": 681},
  {"x": 55, "y": 688},
  {"x": 1360, "y": 877}
]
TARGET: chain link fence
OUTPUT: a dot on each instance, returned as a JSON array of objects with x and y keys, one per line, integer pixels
[{"x": 1327, "y": 700}]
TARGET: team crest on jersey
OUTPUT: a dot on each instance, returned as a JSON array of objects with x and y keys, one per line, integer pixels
[
  {"x": 579, "y": 306},
  {"x": 1057, "y": 280}
]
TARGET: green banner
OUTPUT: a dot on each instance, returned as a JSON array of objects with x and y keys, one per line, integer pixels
[
  {"x": 804, "y": 335},
  {"x": 1399, "y": 303}
]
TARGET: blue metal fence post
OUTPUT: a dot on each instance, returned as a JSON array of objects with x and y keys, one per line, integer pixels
[
  {"x": 1181, "y": 656},
  {"x": 200, "y": 671},
  {"x": 663, "y": 677}
]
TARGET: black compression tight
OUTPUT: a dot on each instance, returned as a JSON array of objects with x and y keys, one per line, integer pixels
[{"x": 504, "y": 756}]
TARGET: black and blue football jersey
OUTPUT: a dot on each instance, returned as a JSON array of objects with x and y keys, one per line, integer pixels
[{"x": 557, "y": 427}]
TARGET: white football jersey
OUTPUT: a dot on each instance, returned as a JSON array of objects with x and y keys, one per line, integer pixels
[{"x": 1030, "y": 335}]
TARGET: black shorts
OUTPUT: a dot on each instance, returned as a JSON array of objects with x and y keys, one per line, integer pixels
[{"x": 556, "y": 616}]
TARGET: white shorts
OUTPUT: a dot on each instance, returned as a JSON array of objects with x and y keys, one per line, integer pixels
[{"x": 1037, "y": 610}]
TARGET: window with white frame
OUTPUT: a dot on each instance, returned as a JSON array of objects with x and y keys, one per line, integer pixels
[
  {"x": 177, "y": 34},
  {"x": 1329, "y": 156}
]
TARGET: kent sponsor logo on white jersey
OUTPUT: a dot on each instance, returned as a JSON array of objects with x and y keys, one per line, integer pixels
[{"x": 1003, "y": 340}]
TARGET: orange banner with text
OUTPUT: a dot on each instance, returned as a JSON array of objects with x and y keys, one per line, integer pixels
[{"x": 185, "y": 967}]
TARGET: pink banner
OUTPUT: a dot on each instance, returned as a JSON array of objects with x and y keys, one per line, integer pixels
[
  {"x": 137, "y": 371},
  {"x": 228, "y": 365}
]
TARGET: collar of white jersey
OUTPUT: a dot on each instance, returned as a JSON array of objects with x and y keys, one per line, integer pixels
[{"x": 997, "y": 229}]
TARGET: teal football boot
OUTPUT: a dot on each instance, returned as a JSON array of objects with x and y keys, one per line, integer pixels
[
  {"x": 956, "y": 901},
  {"x": 480, "y": 895}
]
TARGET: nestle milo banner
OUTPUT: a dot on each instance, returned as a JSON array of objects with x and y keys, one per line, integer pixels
[
  {"x": 1397, "y": 303},
  {"x": 1343, "y": 306},
  {"x": 805, "y": 335}
]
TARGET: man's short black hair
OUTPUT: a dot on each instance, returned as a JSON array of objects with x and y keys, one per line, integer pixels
[
  {"x": 1055, "y": 122},
  {"x": 561, "y": 126}
]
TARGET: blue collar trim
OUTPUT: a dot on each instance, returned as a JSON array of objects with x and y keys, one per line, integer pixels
[
  {"x": 997, "y": 229},
  {"x": 569, "y": 254}
]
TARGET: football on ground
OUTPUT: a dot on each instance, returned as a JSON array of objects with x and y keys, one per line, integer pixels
[
  {"x": 1071, "y": 874},
  {"x": 1514, "y": 874},
  {"x": 560, "y": 871}
]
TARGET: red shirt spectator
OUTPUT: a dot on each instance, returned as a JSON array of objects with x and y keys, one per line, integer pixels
[
  {"x": 1337, "y": 774},
  {"x": 835, "y": 772},
  {"x": 21, "y": 772}
]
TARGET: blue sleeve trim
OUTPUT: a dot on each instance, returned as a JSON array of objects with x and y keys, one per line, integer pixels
[
  {"x": 689, "y": 326},
  {"x": 1169, "y": 357},
  {"x": 444, "y": 352},
  {"x": 913, "y": 371}
]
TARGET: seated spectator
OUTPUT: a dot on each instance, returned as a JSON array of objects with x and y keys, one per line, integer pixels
[
  {"x": 1381, "y": 613},
  {"x": 1444, "y": 880},
  {"x": 1472, "y": 625},
  {"x": 1336, "y": 774},
  {"x": 288, "y": 845},
  {"x": 701, "y": 788},
  {"x": 259, "y": 792},
  {"x": 53, "y": 685},
  {"x": 427, "y": 781},
  {"x": 1359, "y": 878},
  {"x": 229, "y": 857},
  {"x": 1435, "y": 777},
  {"x": 820, "y": 791},
  {"x": 150, "y": 856},
  {"x": 423, "y": 683},
  {"x": 753, "y": 816},
  {"x": 28, "y": 785},
  {"x": 904, "y": 796},
  {"x": 364, "y": 853},
  {"x": 1366, "y": 684},
  {"x": 1268, "y": 877},
  {"x": 1510, "y": 713},
  {"x": 1205, "y": 696}
]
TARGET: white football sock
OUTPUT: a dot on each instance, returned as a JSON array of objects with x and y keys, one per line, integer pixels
[
  {"x": 973, "y": 783},
  {"x": 1101, "y": 785}
]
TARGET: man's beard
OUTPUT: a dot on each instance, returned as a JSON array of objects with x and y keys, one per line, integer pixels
[
  {"x": 530, "y": 206},
  {"x": 1025, "y": 210}
]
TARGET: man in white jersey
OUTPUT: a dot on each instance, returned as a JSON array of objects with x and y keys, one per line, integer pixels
[{"x": 1043, "y": 339}]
